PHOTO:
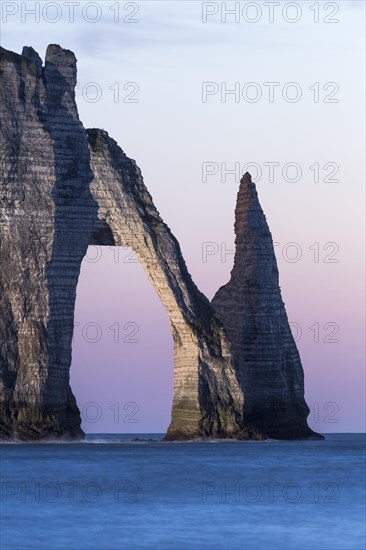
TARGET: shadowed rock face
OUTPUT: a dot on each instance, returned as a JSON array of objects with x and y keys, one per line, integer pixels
[
  {"x": 250, "y": 305},
  {"x": 63, "y": 188}
]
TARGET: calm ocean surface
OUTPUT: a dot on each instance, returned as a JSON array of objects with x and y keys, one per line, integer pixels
[{"x": 113, "y": 493}]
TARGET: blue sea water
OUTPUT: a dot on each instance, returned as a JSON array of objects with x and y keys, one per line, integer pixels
[{"x": 113, "y": 493}]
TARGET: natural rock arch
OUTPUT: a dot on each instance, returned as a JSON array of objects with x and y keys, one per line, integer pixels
[
  {"x": 207, "y": 397},
  {"x": 63, "y": 189}
]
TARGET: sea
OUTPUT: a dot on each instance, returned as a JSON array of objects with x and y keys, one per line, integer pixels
[{"x": 137, "y": 492}]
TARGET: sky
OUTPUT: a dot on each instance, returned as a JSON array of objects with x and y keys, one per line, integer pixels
[{"x": 197, "y": 96}]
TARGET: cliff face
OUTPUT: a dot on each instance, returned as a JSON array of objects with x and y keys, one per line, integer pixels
[
  {"x": 250, "y": 305},
  {"x": 63, "y": 188}
]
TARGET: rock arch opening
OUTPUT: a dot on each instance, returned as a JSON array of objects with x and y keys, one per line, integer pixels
[{"x": 122, "y": 351}]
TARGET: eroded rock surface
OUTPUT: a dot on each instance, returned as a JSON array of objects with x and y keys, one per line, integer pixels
[
  {"x": 250, "y": 305},
  {"x": 63, "y": 188}
]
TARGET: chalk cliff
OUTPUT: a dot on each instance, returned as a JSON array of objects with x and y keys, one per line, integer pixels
[{"x": 63, "y": 188}]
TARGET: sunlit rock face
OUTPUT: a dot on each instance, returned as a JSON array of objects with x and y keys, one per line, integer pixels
[
  {"x": 250, "y": 305},
  {"x": 63, "y": 188}
]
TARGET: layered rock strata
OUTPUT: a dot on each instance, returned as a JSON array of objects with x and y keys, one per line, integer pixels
[
  {"x": 63, "y": 188},
  {"x": 250, "y": 305}
]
